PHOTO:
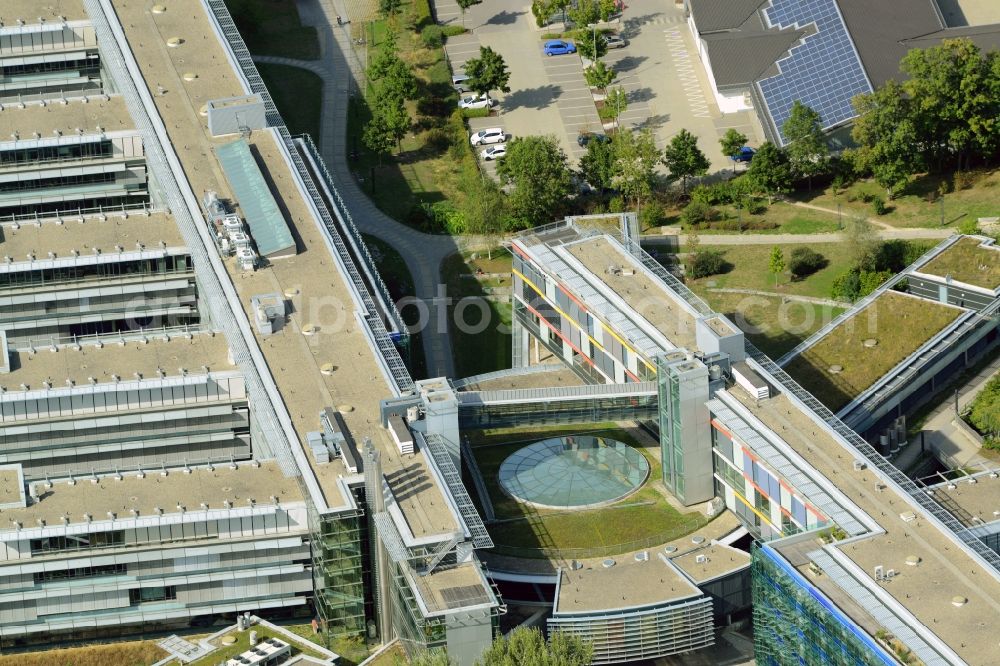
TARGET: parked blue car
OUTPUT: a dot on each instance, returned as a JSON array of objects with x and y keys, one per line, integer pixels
[
  {"x": 559, "y": 47},
  {"x": 745, "y": 155}
]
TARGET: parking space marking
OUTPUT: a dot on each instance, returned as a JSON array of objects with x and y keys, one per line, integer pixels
[{"x": 685, "y": 68}]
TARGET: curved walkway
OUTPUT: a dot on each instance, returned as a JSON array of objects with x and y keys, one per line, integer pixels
[{"x": 422, "y": 252}]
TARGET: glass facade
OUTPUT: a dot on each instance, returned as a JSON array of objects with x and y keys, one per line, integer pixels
[
  {"x": 795, "y": 625},
  {"x": 341, "y": 567}
]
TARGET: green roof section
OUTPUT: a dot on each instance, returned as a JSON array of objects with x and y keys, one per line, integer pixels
[{"x": 267, "y": 225}]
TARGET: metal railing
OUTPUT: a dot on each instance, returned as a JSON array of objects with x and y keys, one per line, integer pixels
[
  {"x": 163, "y": 332},
  {"x": 701, "y": 307},
  {"x": 977, "y": 548},
  {"x": 112, "y": 209},
  {"x": 361, "y": 248},
  {"x": 385, "y": 347}
]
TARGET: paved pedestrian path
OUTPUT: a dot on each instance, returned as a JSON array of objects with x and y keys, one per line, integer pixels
[{"x": 340, "y": 70}]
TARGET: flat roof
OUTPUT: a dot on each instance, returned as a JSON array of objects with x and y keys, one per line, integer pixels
[
  {"x": 145, "y": 494},
  {"x": 841, "y": 365},
  {"x": 647, "y": 297},
  {"x": 11, "y": 485},
  {"x": 93, "y": 233},
  {"x": 115, "y": 359},
  {"x": 450, "y": 588},
  {"x": 970, "y": 260},
  {"x": 626, "y": 584},
  {"x": 320, "y": 295},
  {"x": 560, "y": 377},
  {"x": 718, "y": 560},
  {"x": 50, "y": 10},
  {"x": 974, "y": 500},
  {"x": 944, "y": 571},
  {"x": 110, "y": 114}
]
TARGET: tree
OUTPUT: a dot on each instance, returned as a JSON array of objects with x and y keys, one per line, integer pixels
[
  {"x": 776, "y": 263},
  {"x": 862, "y": 242},
  {"x": 635, "y": 157},
  {"x": 397, "y": 80},
  {"x": 597, "y": 166},
  {"x": 536, "y": 167},
  {"x": 585, "y": 13},
  {"x": 770, "y": 172},
  {"x": 528, "y": 647},
  {"x": 465, "y": 4},
  {"x": 887, "y": 136},
  {"x": 390, "y": 116},
  {"x": 385, "y": 59},
  {"x": 389, "y": 7},
  {"x": 732, "y": 142},
  {"x": 378, "y": 136},
  {"x": 807, "y": 150},
  {"x": 953, "y": 109},
  {"x": 599, "y": 76},
  {"x": 684, "y": 159},
  {"x": 592, "y": 46},
  {"x": 483, "y": 209},
  {"x": 487, "y": 72},
  {"x": 617, "y": 101},
  {"x": 542, "y": 11},
  {"x": 608, "y": 9},
  {"x": 560, "y": 5}
]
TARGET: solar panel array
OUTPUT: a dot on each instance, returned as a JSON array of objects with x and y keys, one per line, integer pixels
[{"x": 824, "y": 72}]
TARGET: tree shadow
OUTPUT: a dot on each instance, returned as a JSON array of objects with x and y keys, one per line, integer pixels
[
  {"x": 631, "y": 25},
  {"x": 628, "y": 63},
  {"x": 503, "y": 18},
  {"x": 532, "y": 98},
  {"x": 641, "y": 95},
  {"x": 653, "y": 122}
]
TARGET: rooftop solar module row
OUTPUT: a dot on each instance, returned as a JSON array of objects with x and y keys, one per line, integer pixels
[{"x": 824, "y": 72}]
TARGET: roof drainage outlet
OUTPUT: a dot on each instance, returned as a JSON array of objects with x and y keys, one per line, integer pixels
[{"x": 608, "y": 563}]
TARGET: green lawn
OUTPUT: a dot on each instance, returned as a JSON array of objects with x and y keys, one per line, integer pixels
[
  {"x": 913, "y": 208},
  {"x": 273, "y": 27},
  {"x": 399, "y": 282},
  {"x": 899, "y": 324},
  {"x": 477, "y": 351},
  {"x": 776, "y": 327},
  {"x": 967, "y": 262},
  {"x": 783, "y": 218},
  {"x": 298, "y": 94},
  {"x": 242, "y": 644},
  {"x": 750, "y": 269},
  {"x": 643, "y": 515}
]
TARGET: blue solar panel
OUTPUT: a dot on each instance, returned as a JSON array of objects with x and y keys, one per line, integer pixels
[{"x": 824, "y": 72}]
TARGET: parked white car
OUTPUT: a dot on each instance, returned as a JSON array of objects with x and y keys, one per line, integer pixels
[
  {"x": 474, "y": 102},
  {"x": 494, "y": 152},
  {"x": 488, "y": 135}
]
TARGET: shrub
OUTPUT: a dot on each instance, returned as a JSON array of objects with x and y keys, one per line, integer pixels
[
  {"x": 442, "y": 216},
  {"x": 697, "y": 212},
  {"x": 846, "y": 286},
  {"x": 868, "y": 197},
  {"x": 964, "y": 180},
  {"x": 651, "y": 215},
  {"x": 805, "y": 261},
  {"x": 945, "y": 187},
  {"x": 420, "y": 15},
  {"x": 968, "y": 226},
  {"x": 476, "y": 113},
  {"x": 984, "y": 413},
  {"x": 432, "y": 36},
  {"x": 756, "y": 207},
  {"x": 708, "y": 262},
  {"x": 616, "y": 205},
  {"x": 454, "y": 30},
  {"x": 437, "y": 140},
  {"x": 878, "y": 205},
  {"x": 869, "y": 281}
]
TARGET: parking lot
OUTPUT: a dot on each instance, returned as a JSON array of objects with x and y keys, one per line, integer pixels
[{"x": 659, "y": 70}]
